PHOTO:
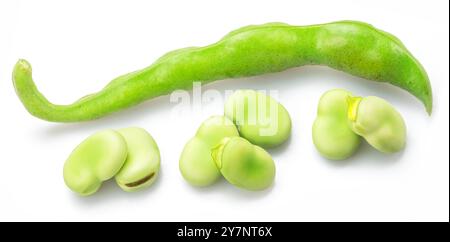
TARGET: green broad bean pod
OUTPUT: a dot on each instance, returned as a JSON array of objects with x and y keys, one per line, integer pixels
[{"x": 350, "y": 46}]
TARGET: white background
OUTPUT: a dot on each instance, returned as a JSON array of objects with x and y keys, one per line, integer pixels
[{"x": 76, "y": 47}]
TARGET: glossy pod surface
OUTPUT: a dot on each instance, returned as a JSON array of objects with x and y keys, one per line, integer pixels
[{"x": 353, "y": 47}]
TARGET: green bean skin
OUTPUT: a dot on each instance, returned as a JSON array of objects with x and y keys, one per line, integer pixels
[
  {"x": 353, "y": 47},
  {"x": 381, "y": 125},
  {"x": 331, "y": 132}
]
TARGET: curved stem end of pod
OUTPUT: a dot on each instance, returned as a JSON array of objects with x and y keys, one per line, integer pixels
[{"x": 26, "y": 90}]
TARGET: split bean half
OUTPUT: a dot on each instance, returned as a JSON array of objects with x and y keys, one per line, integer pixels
[
  {"x": 98, "y": 158},
  {"x": 332, "y": 135},
  {"x": 243, "y": 164},
  {"x": 343, "y": 118},
  {"x": 259, "y": 118},
  {"x": 130, "y": 155},
  {"x": 196, "y": 164},
  {"x": 141, "y": 167},
  {"x": 378, "y": 122}
]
